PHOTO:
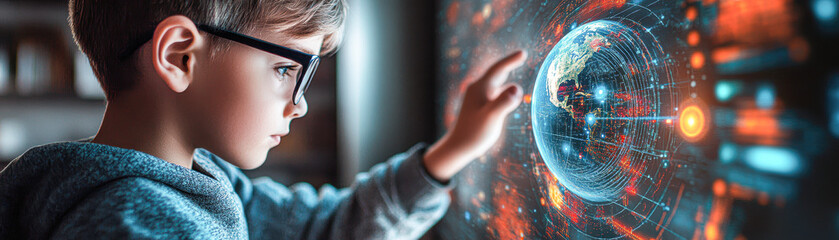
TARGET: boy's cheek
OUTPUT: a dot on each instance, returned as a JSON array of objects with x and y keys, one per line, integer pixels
[
  {"x": 244, "y": 112},
  {"x": 249, "y": 133},
  {"x": 242, "y": 141}
]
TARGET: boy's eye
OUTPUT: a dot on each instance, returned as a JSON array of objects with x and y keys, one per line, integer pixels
[
  {"x": 285, "y": 71},
  {"x": 282, "y": 70}
]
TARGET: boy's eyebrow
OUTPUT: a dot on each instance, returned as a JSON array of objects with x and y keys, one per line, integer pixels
[{"x": 302, "y": 49}]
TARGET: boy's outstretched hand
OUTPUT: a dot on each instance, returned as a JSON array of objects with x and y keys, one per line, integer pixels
[{"x": 486, "y": 104}]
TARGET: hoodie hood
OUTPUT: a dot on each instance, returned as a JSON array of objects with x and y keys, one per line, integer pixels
[{"x": 39, "y": 187}]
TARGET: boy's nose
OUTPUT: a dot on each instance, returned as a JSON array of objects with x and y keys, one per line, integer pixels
[{"x": 299, "y": 110}]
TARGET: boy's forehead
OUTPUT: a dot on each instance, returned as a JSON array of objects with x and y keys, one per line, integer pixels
[{"x": 310, "y": 45}]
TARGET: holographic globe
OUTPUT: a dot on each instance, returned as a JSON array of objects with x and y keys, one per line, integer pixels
[{"x": 592, "y": 104}]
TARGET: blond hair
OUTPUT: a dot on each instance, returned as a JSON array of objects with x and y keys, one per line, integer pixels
[{"x": 107, "y": 29}]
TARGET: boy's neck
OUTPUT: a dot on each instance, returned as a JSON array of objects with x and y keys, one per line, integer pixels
[{"x": 142, "y": 128}]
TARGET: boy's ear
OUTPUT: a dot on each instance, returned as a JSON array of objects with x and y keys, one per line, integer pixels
[{"x": 174, "y": 47}]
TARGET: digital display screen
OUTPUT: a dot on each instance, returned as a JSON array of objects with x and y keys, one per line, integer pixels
[{"x": 712, "y": 119}]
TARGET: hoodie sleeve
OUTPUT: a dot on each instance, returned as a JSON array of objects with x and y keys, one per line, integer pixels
[{"x": 394, "y": 200}]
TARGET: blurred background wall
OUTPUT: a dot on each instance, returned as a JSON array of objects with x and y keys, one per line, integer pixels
[{"x": 385, "y": 82}]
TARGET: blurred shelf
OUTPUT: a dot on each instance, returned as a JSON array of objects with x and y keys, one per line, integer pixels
[
  {"x": 17, "y": 13},
  {"x": 47, "y": 99}
]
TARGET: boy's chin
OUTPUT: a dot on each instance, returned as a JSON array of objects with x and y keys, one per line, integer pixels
[
  {"x": 248, "y": 162},
  {"x": 251, "y": 163}
]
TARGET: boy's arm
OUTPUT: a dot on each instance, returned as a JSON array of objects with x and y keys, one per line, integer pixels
[
  {"x": 486, "y": 104},
  {"x": 394, "y": 200}
]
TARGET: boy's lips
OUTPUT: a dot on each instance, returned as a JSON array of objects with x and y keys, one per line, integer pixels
[{"x": 277, "y": 137}]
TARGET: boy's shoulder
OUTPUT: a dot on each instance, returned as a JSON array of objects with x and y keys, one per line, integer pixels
[
  {"x": 85, "y": 184},
  {"x": 135, "y": 206},
  {"x": 129, "y": 197}
]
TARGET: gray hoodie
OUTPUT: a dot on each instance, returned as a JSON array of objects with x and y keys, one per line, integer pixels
[{"x": 83, "y": 190}]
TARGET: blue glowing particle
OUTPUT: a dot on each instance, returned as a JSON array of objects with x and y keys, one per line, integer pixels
[
  {"x": 600, "y": 93},
  {"x": 728, "y": 151},
  {"x": 590, "y": 120},
  {"x": 765, "y": 96},
  {"x": 467, "y": 215},
  {"x": 566, "y": 148},
  {"x": 725, "y": 90},
  {"x": 782, "y": 161},
  {"x": 825, "y": 10}
]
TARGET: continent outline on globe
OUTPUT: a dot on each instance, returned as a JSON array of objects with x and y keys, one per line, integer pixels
[{"x": 568, "y": 67}]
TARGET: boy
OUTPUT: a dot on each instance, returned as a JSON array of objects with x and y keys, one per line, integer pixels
[{"x": 197, "y": 90}]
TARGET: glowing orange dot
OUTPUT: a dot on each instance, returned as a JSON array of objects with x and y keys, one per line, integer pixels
[
  {"x": 693, "y": 38},
  {"x": 669, "y": 121},
  {"x": 711, "y": 232},
  {"x": 691, "y": 13},
  {"x": 719, "y": 187},
  {"x": 697, "y": 60},
  {"x": 528, "y": 98},
  {"x": 692, "y": 122}
]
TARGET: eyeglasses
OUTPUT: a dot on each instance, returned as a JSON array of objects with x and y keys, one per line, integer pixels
[{"x": 308, "y": 62}]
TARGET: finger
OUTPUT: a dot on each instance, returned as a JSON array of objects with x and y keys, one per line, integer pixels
[
  {"x": 508, "y": 100},
  {"x": 501, "y": 69}
]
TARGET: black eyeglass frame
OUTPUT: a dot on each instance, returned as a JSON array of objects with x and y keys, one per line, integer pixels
[{"x": 308, "y": 62}]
